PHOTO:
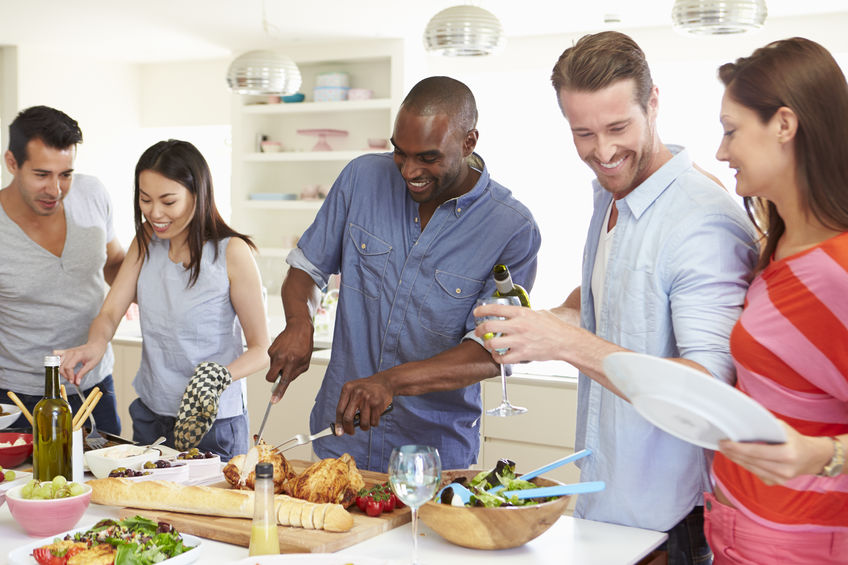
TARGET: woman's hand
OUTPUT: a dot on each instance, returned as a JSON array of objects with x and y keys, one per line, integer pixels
[
  {"x": 778, "y": 463},
  {"x": 89, "y": 355}
]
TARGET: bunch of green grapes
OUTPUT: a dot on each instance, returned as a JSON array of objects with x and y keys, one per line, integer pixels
[{"x": 59, "y": 487}]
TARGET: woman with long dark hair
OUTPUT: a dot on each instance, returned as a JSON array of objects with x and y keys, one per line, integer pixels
[
  {"x": 198, "y": 290},
  {"x": 785, "y": 120}
]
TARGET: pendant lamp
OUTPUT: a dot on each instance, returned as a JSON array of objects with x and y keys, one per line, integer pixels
[
  {"x": 263, "y": 72},
  {"x": 463, "y": 31},
  {"x": 718, "y": 17}
]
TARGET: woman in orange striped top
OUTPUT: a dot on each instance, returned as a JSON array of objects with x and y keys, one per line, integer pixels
[{"x": 785, "y": 120}]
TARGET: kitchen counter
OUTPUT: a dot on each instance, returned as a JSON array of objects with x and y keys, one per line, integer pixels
[{"x": 568, "y": 541}]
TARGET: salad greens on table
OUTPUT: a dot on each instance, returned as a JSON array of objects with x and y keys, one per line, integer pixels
[
  {"x": 136, "y": 541},
  {"x": 502, "y": 475}
]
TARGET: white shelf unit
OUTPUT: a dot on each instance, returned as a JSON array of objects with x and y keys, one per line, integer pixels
[{"x": 276, "y": 224}]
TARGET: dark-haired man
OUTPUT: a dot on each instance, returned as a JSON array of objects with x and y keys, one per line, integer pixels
[
  {"x": 415, "y": 235},
  {"x": 667, "y": 261},
  {"x": 58, "y": 252}
]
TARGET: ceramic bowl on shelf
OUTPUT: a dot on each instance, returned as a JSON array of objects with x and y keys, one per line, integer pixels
[
  {"x": 47, "y": 517},
  {"x": 271, "y": 146},
  {"x": 491, "y": 528},
  {"x": 378, "y": 143},
  {"x": 12, "y": 455},
  {"x": 293, "y": 98},
  {"x": 360, "y": 94}
]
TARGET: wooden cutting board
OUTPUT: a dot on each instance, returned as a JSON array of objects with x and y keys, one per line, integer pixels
[{"x": 292, "y": 540}]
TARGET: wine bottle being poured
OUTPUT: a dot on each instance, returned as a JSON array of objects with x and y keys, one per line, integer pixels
[{"x": 505, "y": 287}]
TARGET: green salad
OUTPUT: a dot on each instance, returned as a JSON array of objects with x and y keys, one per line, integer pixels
[
  {"x": 137, "y": 540},
  {"x": 483, "y": 482}
]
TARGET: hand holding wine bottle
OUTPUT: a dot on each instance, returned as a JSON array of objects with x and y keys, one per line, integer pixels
[{"x": 506, "y": 293}]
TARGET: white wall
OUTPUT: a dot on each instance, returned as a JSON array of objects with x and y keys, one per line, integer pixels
[
  {"x": 527, "y": 144},
  {"x": 103, "y": 97}
]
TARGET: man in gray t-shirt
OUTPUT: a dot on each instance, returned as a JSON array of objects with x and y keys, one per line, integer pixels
[{"x": 58, "y": 252}]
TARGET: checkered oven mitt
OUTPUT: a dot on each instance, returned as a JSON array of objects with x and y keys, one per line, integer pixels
[{"x": 199, "y": 405}]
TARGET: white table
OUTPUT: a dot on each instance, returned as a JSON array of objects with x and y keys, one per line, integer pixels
[{"x": 568, "y": 541}]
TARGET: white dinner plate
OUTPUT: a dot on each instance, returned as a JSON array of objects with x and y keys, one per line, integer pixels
[
  {"x": 23, "y": 554},
  {"x": 311, "y": 559},
  {"x": 689, "y": 404}
]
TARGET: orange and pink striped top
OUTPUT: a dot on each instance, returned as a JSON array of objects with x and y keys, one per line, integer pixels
[{"x": 790, "y": 348}]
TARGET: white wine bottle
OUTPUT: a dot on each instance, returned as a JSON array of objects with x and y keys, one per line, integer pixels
[
  {"x": 51, "y": 428},
  {"x": 505, "y": 287}
]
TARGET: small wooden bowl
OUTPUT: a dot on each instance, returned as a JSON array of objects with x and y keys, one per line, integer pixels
[{"x": 491, "y": 528}]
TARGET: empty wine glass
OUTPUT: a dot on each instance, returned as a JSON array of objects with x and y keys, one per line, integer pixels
[
  {"x": 504, "y": 408},
  {"x": 414, "y": 475}
]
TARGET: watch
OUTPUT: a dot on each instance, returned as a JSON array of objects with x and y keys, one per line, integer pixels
[{"x": 834, "y": 466}]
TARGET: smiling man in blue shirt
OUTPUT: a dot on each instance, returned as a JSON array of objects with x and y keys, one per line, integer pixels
[
  {"x": 414, "y": 234},
  {"x": 667, "y": 261}
]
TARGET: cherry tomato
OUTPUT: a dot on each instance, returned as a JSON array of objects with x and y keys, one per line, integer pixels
[
  {"x": 360, "y": 502},
  {"x": 44, "y": 556},
  {"x": 373, "y": 507},
  {"x": 388, "y": 502}
]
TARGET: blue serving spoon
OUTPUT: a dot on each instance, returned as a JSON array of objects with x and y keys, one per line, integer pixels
[{"x": 464, "y": 494}]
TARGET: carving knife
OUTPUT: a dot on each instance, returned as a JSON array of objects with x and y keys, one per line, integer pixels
[{"x": 268, "y": 409}]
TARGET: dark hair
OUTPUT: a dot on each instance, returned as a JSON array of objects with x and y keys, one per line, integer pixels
[
  {"x": 801, "y": 75},
  {"x": 596, "y": 61},
  {"x": 180, "y": 161},
  {"x": 55, "y": 128},
  {"x": 443, "y": 95}
]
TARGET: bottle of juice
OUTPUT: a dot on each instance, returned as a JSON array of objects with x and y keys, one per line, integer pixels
[{"x": 263, "y": 533}]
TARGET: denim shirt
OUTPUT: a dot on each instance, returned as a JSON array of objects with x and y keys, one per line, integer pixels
[
  {"x": 678, "y": 270},
  {"x": 407, "y": 294}
]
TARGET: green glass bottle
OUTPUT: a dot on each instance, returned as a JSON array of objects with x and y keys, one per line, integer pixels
[
  {"x": 505, "y": 287},
  {"x": 51, "y": 428}
]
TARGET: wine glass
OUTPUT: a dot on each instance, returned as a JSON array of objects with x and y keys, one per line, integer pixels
[
  {"x": 504, "y": 408},
  {"x": 414, "y": 475}
]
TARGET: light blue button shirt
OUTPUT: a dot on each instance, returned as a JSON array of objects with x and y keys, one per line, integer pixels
[
  {"x": 406, "y": 295},
  {"x": 678, "y": 270}
]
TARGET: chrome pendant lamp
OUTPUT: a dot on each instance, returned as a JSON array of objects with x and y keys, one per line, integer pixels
[
  {"x": 464, "y": 31},
  {"x": 718, "y": 17},
  {"x": 264, "y": 72}
]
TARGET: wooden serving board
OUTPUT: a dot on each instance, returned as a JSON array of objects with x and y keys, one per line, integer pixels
[{"x": 292, "y": 540}]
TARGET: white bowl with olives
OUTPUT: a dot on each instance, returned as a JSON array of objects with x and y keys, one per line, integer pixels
[{"x": 102, "y": 461}]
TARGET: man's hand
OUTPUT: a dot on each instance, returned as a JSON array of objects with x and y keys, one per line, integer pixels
[
  {"x": 290, "y": 355},
  {"x": 369, "y": 396},
  {"x": 89, "y": 355}
]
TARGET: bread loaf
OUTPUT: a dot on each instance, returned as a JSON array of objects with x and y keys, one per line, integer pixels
[
  {"x": 167, "y": 495},
  {"x": 213, "y": 501}
]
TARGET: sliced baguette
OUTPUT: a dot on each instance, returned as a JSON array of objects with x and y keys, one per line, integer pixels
[{"x": 214, "y": 501}]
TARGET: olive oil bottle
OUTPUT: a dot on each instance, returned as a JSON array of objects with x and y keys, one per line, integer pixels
[
  {"x": 51, "y": 428},
  {"x": 505, "y": 287}
]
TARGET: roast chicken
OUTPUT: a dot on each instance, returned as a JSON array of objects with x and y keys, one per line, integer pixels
[
  {"x": 335, "y": 481},
  {"x": 329, "y": 480},
  {"x": 240, "y": 471}
]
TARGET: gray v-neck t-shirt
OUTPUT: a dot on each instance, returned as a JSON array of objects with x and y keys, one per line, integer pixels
[{"x": 48, "y": 302}]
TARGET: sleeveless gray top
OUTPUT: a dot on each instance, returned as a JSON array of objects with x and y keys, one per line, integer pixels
[{"x": 182, "y": 326}]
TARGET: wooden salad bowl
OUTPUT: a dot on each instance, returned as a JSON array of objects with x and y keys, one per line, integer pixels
[{"x": 491, "y": 528}]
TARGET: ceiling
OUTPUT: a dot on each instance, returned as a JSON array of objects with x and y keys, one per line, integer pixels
[{"x": 162, "y": 30}]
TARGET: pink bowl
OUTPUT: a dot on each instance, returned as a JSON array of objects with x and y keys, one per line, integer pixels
[
  {"x": 14, "y": 456},
  {"x": 42, "y": 518}
]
